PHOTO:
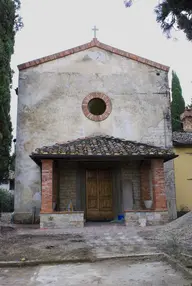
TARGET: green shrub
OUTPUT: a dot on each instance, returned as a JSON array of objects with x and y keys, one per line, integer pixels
[{"x": 6, "y": 201}]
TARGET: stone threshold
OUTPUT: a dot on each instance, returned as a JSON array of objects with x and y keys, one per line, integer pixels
[{"x": 27, "y": 263}]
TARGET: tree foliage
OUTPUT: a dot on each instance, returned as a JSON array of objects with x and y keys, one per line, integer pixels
[
  {"x": 6, "y": 201},
  {"x": 175, "y": 14},
  {"x": 177, "y": 104},
  {"x": 10, "y": 22},
  {"x": 172, "y": 14},
  {"x": 12, "y": 162}
]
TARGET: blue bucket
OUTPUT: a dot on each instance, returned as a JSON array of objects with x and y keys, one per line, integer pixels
[{"x": 121, "y": 217}]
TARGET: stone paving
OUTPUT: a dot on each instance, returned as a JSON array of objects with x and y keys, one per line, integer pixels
[
  {"x": 107, "y": 273},
  {"x": 112, "y": 241},
  {"x": 105, "y": 240}
]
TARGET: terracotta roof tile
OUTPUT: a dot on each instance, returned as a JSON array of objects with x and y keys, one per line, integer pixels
[
  {"x": 93, "y": 43},
  {"x": 102, "y": 146}
]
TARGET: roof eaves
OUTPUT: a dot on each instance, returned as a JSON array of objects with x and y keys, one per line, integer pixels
[
  {"x": 93, "y": 43},
  {"x": 182, "y": 144},
  {"x": 38, "y": 157}
]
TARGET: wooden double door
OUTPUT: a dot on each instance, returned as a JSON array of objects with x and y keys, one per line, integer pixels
[{"x": 99, "y": 195}]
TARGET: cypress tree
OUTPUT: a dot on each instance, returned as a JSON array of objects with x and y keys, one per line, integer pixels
[
  {"x": 177, "y": 104},
  {"x": 9, "y": 23}
]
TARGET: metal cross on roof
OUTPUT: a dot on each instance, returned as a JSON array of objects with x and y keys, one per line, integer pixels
[{"x": 95, "y": 31}]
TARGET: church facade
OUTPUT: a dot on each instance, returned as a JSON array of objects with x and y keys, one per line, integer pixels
[{"x": 94, "y": 139}]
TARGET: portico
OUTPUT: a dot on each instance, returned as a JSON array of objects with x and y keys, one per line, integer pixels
[{"x": 116, "y": 177}]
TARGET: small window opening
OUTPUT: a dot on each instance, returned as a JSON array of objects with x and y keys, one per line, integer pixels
[{"x": 97, "y": 106}]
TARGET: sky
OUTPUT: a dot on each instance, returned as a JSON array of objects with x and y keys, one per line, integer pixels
[{"x": 51, "y": 26}]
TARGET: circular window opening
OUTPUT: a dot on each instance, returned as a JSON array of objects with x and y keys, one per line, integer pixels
[{"x": 97, "y": 106}]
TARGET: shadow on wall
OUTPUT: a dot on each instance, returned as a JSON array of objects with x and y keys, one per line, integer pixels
[
  {"x": 128, "y": 197},
  {"x": 183, "y": 210},
  {"x": 36, "y": 207}
]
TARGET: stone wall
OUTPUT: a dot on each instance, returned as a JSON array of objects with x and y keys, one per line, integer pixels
[
  {"x": 146, "y": 218},
  {"x": 5, "y": 217},
  {"x": 62, "y": 220},
  {"x": 130, "y": 172},
  {"x": 67, "y": 192},
  {"x": 147, "y": 182}
]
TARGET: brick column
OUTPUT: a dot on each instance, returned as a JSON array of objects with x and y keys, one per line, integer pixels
[
  {"x": 158, "y": 184},
  {"x": 144, "y": 179},
  {"x": 47, "y": 186}
]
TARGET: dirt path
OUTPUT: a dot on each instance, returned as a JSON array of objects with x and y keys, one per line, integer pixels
[{"x": 73, "y": 244}]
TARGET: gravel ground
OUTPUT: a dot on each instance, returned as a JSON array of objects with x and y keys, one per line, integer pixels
[
  {"x": 174, "y": 237},
  {"x": 181, "y": 227}
]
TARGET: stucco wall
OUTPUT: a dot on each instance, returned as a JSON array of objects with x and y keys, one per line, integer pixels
[
  {"x": 170, "y": 189},
  {"x": 183, "y": 177},
  {"x": 49, "y": 108}
]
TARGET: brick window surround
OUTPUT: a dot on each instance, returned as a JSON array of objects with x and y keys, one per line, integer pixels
[{"x": 102, "y": 96}]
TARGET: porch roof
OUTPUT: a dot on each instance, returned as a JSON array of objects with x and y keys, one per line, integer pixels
[{"x": 101, "y": 147}]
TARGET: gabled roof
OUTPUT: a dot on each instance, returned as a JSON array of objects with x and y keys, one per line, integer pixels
[
  {"x": 98, "y": 146},
  {"x": 93, "y": 43},
  {"x": 182, "y": 138}
]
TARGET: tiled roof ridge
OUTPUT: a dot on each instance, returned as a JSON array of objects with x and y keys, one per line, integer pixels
[{"x": 93, "y": 43}]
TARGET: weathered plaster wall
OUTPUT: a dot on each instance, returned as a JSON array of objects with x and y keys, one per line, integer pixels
[
  {"x": 49, "y": 108},
  {"x": 170, "y": 189}
]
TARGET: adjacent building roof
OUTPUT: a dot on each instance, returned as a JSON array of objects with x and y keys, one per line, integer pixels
[
  {"x": 182, "y": 138},
  {"x": 98, "y": 146},
  {"x": 93, "y": 43}
]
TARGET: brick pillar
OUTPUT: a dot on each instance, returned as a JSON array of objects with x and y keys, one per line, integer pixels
[
  {"x": 158, "y": 184},
  {"x": 144, "y": 179},
  {"x": 47, "y": 186}
]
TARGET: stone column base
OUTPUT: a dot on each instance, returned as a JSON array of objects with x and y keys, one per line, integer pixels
[
  {"x": 22, "y": 217},
  {"x": 146, "y": 218},
  {"x": 61, "y": 219}
]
